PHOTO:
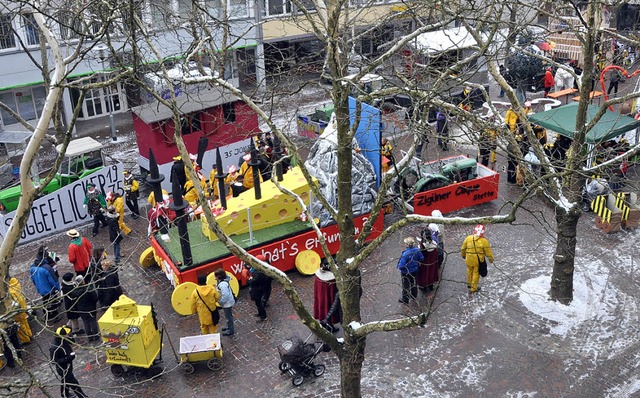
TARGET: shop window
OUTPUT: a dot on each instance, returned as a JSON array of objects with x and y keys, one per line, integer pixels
[
  {"x": 8, "y": 98},
  {"x": 100, "y": 101},
  {"x": 7, "y": 38},
  {"x": 39, "y": 97},
  {"x": 229, "y": 112},
  {"x": 26, "y": 102}
]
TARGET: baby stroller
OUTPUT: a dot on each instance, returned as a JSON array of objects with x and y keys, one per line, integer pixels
[{"x": 296, "y": 358}]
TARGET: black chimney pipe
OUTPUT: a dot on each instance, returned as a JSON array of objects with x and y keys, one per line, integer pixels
[
  {"x": 178, "y": 205},
  {"x": 202, "y": 148},
  {"x": 220, "y": 176},
  {"x": 254, "y": 162}
]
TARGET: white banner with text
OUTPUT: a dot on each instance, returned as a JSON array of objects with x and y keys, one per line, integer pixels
[{"x": 62, "y": 209}]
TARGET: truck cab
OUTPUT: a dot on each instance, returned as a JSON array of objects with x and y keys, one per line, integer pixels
[{"x": 83, "y": 157}]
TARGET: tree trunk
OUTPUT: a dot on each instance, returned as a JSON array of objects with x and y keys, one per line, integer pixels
[
  {"x": 564, "y": 258},
  {"x": 351, "y": 367}
]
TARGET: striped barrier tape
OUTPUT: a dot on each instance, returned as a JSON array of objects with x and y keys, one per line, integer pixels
[
  {"x": 599, "y": 206},
  {"x": 621, "y": 203}
]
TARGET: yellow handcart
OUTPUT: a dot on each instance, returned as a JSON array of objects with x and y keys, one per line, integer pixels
[
  {"x": 131, "y": 337},
  {"x": 200, "y": 348}
]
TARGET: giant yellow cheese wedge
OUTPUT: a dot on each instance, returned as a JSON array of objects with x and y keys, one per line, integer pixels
[
  {"x": 307, "y": 262},
  {"x": 181, "y": 298},
  {"x": 273, "y": 208}
]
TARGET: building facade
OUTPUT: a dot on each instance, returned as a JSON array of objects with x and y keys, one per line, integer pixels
[{"x": 266, "y": 38}]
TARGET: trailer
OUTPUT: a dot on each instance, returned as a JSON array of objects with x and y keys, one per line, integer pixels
[{"x": 447, "y": 185}]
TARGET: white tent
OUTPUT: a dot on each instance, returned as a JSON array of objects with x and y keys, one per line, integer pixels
[{"x": 444, "y": 40}]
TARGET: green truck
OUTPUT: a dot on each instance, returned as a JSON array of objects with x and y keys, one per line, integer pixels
[{"x": 83, "y": 157}]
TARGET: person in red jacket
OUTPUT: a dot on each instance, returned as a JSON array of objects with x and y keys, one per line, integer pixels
[
  {"x": 79, "y": 252},
  {"x": 549, "y": 81}
]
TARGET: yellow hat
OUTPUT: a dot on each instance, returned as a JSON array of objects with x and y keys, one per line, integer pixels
[{"x": 63, "y": 330}]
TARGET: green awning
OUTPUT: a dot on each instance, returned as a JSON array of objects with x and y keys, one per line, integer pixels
[{"x": 562, "y": 120}]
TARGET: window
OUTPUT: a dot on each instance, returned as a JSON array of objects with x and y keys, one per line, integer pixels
[
  {"x": 238, "y": 8},
  {"x": 213, "y": 9},
  {"x": 185, "y": 10},
  {"x": 100, "y": 101},
  {"x": 70, "y": 25},
  {"x": 229, "y": 112},
  {"x": 308, "y": 4},
  {"x": 160, "y": 13},
  {"x": 30, "y": 30},
  {"x": 8, "y": 98},
  {"x": 7, "y": 38},
  {"x": 275, "y": 7},
  {"x": 26, "y": 102},
  {"x": 190, "y": 123}
]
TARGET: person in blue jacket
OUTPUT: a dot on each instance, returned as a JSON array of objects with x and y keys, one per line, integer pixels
[
  {"x": 408, "y": 264},
  {"x": 47, "y": 287}
]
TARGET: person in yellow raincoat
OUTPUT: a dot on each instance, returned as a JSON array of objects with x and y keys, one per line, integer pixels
[
  {"x": 512, "y": 120},
  {"x": 190, "y": 193},
  {"x": 213, "y": 183},
  {"x": 204, "y": 301},
  {"x": 22, "y": 318},
  {"x": 386, "y": 151},
  {"x": 152, "y": 198},
  {"x": 117, "y": 201},
  {"x": 246, "y": 172},
  {"x": 475, "y": 249}
]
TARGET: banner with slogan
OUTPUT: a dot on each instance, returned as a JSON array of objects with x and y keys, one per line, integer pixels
[{"x": 63, "y": 209}]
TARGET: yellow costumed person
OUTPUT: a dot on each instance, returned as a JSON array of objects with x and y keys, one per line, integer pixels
[
  {"x": 22, "y": 318},
  {"x": 152, "y": 198},
  {"x": 117, "y": 201},
  {"x": 213, "y": 184},
  {"x": 246, "y": 172},
  {"x": 204, "y": 301},
  {"x": 475, "y": 249}
]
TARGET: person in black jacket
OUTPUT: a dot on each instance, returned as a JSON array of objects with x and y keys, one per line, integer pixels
[
  {"x": 62, "y": 356},
  {"x": 260, "y": 290},
  {"x": 68, "y": 284},
  {"x": 115, "y": 236},
  {"x": 109, "y": 289},
  {"x": 95, "y": 270},
  {"x": 178, "y": 168},
  {"x": 87, "y": 305}
]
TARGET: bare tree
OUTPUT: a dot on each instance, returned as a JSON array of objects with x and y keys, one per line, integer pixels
[
  {"x": 208, "y": 43},
  {"x": 329, "y": 23},
  {"x": 56, "y": 63}
]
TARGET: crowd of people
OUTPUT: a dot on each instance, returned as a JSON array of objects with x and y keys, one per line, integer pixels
[
  {"x": 82, "y": 294},
  {"x": 237, "y": 179}
]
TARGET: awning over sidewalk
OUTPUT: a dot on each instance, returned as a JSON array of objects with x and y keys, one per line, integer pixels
[{"x": 562, "y": 120}]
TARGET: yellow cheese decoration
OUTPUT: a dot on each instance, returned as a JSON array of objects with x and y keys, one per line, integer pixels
[{"x": 273, "y": 208}]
